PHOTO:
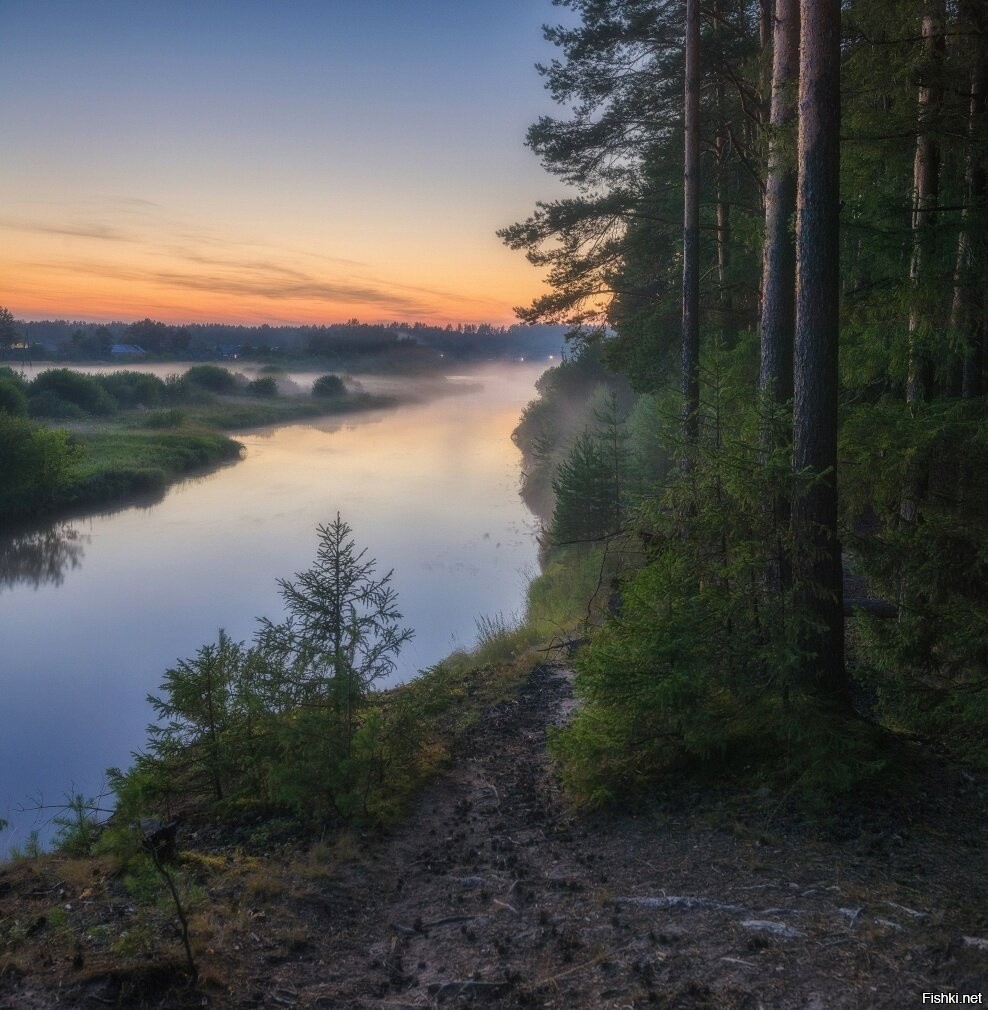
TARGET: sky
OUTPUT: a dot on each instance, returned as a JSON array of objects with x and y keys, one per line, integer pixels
[{"x": 269, "y": 161}]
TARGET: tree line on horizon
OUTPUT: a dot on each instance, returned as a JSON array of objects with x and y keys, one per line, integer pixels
[{"x": 67, "y": 340}]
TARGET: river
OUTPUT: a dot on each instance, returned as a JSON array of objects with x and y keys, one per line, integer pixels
[{"x": 93, "y": 611}]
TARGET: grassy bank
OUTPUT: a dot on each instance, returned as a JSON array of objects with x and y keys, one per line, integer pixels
[
  {"x": 116, "y": 464},
  {"x": 71, "y": 441}
]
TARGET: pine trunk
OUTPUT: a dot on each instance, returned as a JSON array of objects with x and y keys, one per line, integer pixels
[
  {"x": 691, "y": 229},
  {"x": 968, "y": 310},
  {"x": 722, "y": 152},
  {"x": 779, "y": 254},
  {"x": 816, "y": 546},
  {"x": 926, "y": 195},
  {"x": 766, "y": 15}
]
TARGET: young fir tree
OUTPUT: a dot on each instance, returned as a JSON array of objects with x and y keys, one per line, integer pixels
[
  {"x": 195, "y": 705},
  {"x": 343, "y": 623}
]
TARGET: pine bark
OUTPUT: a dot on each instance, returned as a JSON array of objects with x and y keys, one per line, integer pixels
[
  {"x": 816, "y": 546},
  {"x": 722, "y": 152},
  {"x": 778, "y": 252},
  {"x": 969, "y": 304},
  {"x": 926, "y": 195},
  {"x": 766, "y": 14},
  {"x": 691, "y": 229}
]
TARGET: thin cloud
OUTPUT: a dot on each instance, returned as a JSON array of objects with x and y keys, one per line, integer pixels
[
  {"x": 202, "y": 237},
  {"x": 103, "y": 232},
  {"x": 279, "y": 289},
  {"x": 139, "y": 202},
  {"x": 258, "y": 284},
  {"x": 258, "y": 266}
]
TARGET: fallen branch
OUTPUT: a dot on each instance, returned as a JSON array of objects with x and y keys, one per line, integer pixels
[
  {"x": 776, "y": 928},
  {"x": 422, "y": 927},
  {"x": 468, "y": 987},
  {"x": 606, "y": 956},
  {"x": 688, "y": 902}
]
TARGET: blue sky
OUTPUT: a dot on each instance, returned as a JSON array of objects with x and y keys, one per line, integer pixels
[{"x": 268, "y": 160}]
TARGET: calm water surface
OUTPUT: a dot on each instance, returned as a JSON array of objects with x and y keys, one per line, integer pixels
[{"x": 93, "y": 611}]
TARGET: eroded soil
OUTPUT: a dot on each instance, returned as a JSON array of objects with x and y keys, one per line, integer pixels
[{"x": 494, "y": 893}]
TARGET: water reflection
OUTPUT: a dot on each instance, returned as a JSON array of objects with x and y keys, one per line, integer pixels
[{"x": 40, "y": 557}]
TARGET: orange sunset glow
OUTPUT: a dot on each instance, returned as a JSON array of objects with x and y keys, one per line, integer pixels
[{"x": 261, "y": 164}]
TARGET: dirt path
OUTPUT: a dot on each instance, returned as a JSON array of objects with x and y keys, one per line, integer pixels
[{"x": 495, "y": 894}]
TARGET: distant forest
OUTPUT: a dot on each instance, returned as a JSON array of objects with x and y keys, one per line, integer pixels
[{"x": 465, "y": 342}]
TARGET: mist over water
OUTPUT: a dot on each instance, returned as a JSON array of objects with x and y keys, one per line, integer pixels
[{"x": 93, "y": 611}]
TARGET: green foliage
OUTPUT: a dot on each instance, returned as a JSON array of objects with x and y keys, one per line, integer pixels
[
  {"x": 36, "y": 464},
  {"x": 696, "y": 664},
  {"x": 196, "y": 709},
  {"x": 343, "y": 622},
  {"x": 214, "y": 378},
  {"x": 928, "y": 669},
  {"x": 8, "y": 328},
  {"x": 177, "y": 451},
  {"x": 143, "y": 882},
  {"x": 591, "y": 485},
  {"x": 550, "y": 424},
  {"x": 13, "y": 399},
  {"x": 265, "y": 386},
  {"x": 173, "y": 417},
  {"x": 145, "y": 786},
  {"x": 493, "y": 631},
  {"x": 134, "y": 389},
  {"x": 48, "y": 404},
  {"x": 78, "y": 826},
  {"x": 610, "y": 248},
  {"x": 328, "y": 386},
  {"x": 699, "y": 663},
  {"x": 159, "y": 338},
  {"x": 652, "y": 424},
  {"x": 584, "y": 508},
  {"x": 571, "y": 590},
  {"x": 286, "y": 723},
  {"x": 46, "y": 469},
  {"x": 62, "y": 385},
  {"x": 31, "y": 849}
]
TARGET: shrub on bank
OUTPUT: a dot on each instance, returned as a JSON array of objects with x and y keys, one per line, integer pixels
[
  {"x": 35, "y": 463},
  {"x": 11, "y": 375},
  {"x": 265, "y": 387},
  {"x": 12, "y": 398},
  {"x": 327, "y": 386},
  {"x": 134, "y": 389},
  {"x": 67, "y": 386},
  {"x": 172, "y": 417},
  {"x": 49, "y": 404},
  {"x": 215, "y": 378}
]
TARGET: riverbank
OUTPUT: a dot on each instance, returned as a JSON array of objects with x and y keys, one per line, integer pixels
[
  {"x": 146, "y": 455},
  {"x": 94, "y": 441}
]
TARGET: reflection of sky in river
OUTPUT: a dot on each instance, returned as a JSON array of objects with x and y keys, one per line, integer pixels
[{"x": 430, "y": 489}]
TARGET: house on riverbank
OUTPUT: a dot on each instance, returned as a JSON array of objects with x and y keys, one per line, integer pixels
[{"x": 126, "y": 352}]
